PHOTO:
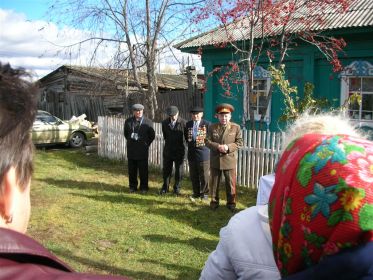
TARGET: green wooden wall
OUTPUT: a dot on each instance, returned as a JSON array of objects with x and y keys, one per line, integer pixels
[{"x": 305, "y": 64}]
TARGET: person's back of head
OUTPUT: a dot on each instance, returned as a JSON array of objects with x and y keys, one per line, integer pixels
[
  {"x": 322, "y": 199},
  {"x": 17, "y": 113}
]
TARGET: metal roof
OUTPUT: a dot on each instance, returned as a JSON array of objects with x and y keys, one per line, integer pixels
[{"x": 359, "y": 14}]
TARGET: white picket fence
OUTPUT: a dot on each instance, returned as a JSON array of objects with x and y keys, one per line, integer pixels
[{"x": 256, "y": 158}]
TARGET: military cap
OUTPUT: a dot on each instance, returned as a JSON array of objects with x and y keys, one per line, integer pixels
[
  {"x": 224, "y": 108},
  {"x": 137, "y": 107},
  {"x": 172, "y": 111},
  {"x": 196, "y": 109}
]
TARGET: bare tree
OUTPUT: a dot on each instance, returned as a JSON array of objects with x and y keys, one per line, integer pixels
[{"x": 134, "y": 32}]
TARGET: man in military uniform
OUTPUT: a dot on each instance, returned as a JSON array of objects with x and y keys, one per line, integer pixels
[
  {"x": 174, "y": 149},
  {"x": 139, "y": 133},
  {"x": 223, "y": 139},
  {"x": 198, "y": 154}
]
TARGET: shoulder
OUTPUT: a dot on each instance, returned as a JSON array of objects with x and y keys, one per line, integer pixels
[
  {"x": 205, "y": 122},
  {"x": 214, "y": 125},
  {"x": 234, "y": 125},
  {"x": 148, "y": 121},
  {"x": 181, "y": 120}
]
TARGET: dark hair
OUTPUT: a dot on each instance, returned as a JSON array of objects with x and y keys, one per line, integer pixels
[{"x": 17, "y": 113}]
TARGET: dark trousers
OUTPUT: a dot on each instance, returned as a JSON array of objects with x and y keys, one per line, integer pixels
[
  {"x": 199, "y": 172},
  {"x": 141, "y": 166},
  {"x": 230, "y": 186},
  {"x": 167, "y": 173}
]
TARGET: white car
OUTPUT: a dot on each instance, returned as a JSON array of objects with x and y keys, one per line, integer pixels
[{"x": 48, "y": 129}]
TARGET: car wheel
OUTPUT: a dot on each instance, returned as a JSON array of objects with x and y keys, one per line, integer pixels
[{"x": 77, "y": 140}]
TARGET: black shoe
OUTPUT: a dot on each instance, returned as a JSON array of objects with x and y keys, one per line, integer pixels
[
  {"x": 232, "y": 208},
  {"x": 133, "y": 190},
  {"x": 176, "y": 192},
  {"x": 204, "y": 197},
  {"x": 144, "y": 191},
  {"x": 214, "y": 205},
  {"x": 162, "y": 192}
]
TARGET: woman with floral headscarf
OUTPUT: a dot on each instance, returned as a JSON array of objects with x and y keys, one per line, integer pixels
[
  {"x": 322, "y": 204},
  {"x": 320, "y": 211}
]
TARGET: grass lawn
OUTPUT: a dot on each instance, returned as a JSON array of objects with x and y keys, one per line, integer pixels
[{"x": 83, "y": 212}]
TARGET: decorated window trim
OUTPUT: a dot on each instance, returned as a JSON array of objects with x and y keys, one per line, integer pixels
[
  {"x": 259, "y": 74},
  {"x": 362, "y": 70}
]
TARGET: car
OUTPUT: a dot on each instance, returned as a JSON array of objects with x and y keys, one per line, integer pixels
[{"x": 48, "y": 129}]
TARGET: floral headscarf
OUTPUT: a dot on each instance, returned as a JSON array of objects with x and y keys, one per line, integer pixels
[{"x": 322, "y": 199}]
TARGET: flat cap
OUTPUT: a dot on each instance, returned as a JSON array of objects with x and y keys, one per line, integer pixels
[
  {"x": 196, "y": 109},
  {"x": 224, "y": 108},
  {"x": 172, "y": 110},
  {"x": 137, "y": 107}
]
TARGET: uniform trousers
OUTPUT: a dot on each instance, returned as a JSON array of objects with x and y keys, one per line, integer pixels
[
  {"x": 199, "y": 172},
  {"x": 230, "y": 186},
  {"x": 138, "y": 166},
  {"x": 167, "y": 173}
]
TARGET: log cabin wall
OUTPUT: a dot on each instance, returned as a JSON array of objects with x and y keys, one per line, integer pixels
[{"x": 69, "y": 91}]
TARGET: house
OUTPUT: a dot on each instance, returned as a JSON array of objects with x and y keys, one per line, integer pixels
[
  {"x": 75, "y": 90},
  {"x": 304, "y": 64}
]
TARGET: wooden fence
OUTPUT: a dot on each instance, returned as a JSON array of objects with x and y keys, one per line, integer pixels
[{"x": 256, "y": 158}]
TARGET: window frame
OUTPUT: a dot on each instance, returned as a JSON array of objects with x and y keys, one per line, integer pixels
[
  {"x": 357, "y": 70},
  {"x": 263, "y": 75}
]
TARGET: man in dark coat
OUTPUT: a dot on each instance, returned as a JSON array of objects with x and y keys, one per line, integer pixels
[
  {"x": 174, "y": 149},
  {"x": 223, "y": 139},
  {"x": 198, "y": 154},
  {"x": 139, "y": 133}
]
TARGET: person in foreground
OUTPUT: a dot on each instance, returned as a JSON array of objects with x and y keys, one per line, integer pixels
[
  {"x": 320, "y": 211},
  {"x": 20, "y": 256}
]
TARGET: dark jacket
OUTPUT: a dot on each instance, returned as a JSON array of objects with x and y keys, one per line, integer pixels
[
  {"x": 197, "y": 149},
  {"x": 138, "y": 149},
  {"x": 174, "y": 147},
  {"x": 350, "y": 264},
  {"x": 232, "y": 137},
  {"x": 23, "y": 258}
]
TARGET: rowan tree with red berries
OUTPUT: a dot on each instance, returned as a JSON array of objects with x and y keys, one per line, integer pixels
[{"x": 269, "y": 30}]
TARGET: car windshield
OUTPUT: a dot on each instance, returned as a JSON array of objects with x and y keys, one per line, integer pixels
[{"x": 46, "y": 118}]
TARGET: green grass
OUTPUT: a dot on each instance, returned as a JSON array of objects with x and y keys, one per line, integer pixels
[{"x": 82, "y": 211}]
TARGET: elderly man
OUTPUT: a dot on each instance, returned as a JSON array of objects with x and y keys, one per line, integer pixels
[
  {"x": 198, "y": 154},
  {"x": 139, "y": 133},
  {"x": 174, "y": 149},
  {"x": 223, "y": 139}
]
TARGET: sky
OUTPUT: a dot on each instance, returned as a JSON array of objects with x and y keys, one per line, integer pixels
[{"x": 29, "y": 40}]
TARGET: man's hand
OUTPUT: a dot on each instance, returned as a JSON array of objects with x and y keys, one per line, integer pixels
[{"x": 223, "y": 148}]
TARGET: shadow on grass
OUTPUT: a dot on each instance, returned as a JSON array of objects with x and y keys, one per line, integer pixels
[
  {"x": 200, "y": 244},
  {"x": 88, "y": 160},
  {"x": 104, "y": 266},
  {"x": 185, "y": 272},
  {"x": 180, "y": 209},
  {"x": 83, "y": 185}
]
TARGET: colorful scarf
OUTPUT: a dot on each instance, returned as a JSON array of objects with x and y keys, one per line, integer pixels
[{"x": 322, "y": 199}]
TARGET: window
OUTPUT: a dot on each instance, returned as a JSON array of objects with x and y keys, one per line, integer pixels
[
  {"x": 364, "y": 88},
  {"x": 260, "y": 88},
  {"x": 259, "y": 96},
  {"x": 357, "y": 78}
]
